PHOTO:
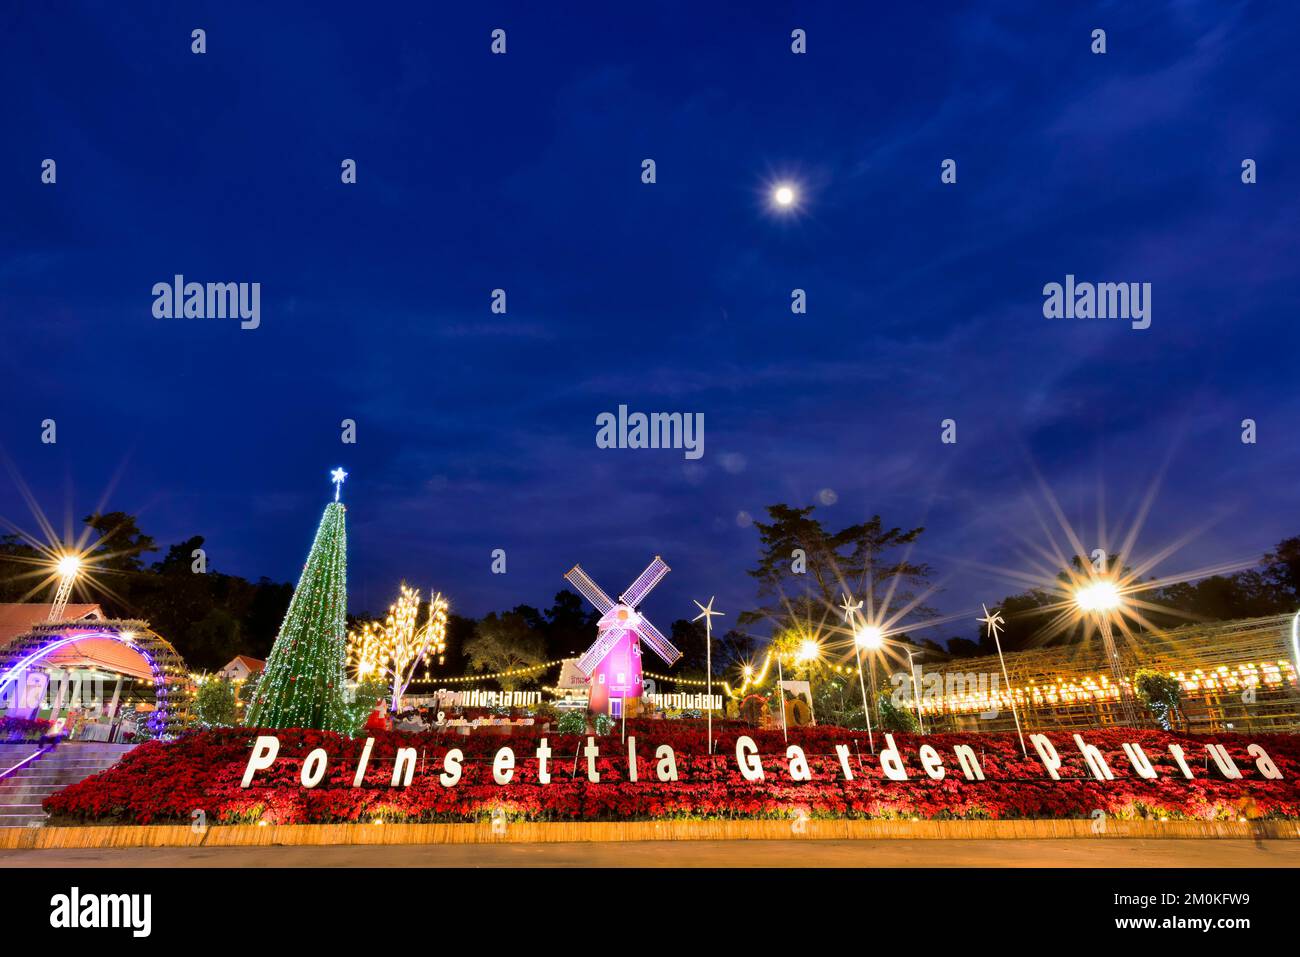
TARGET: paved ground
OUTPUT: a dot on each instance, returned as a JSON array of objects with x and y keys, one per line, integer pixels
[{"x": 930, "y": 853}]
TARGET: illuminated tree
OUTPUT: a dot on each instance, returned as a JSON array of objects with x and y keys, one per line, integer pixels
[
  {"x": 215, "y": 703},
  {"x": 392, "y": 650},
  {"x": 302, "y": 686}
]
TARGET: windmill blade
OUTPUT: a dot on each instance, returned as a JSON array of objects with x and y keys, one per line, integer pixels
[
  {"x": 657, "y": 642},
  {"x": 580, "y": 580},
  {"x": 652, "y": 575},
  {"x": 604, "y": 642}
]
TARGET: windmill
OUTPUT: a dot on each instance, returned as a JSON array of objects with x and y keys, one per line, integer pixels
[{"x": 613, "y": 664}]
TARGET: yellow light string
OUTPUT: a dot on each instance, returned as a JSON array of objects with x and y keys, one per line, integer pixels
[
  {"x": 693, "y": 682},
  {"x": 512, "y": 673},
  {"x": 751, "y": 680}
]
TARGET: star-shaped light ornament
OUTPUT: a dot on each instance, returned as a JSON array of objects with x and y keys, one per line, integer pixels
[
  {"x": 707, "y": 612},
  {"x": 992, "y": 620},
  {"x": 337, "y": 477}
]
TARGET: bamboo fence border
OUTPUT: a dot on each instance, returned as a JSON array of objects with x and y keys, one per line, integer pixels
[{"x": 246, "y": 835}]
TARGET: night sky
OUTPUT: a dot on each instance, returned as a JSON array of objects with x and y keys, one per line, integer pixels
[{"x": 477, "y": 431}]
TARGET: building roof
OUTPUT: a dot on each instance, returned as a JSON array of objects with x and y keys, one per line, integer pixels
[
  {"x": 252, "y": 664},
  {"x": 571, "y": 677},
  {"x": 17, "y": 618},
  {"x": 105, "y": 653}
]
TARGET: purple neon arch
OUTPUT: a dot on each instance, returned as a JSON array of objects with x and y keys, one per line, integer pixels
[{"x": 12, "y": 674}]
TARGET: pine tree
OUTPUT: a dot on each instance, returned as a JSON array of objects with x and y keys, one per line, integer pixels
[{"x": 302, "y": 686}]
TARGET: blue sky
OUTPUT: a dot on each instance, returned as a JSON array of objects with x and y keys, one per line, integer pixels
[{"x": 477, "y": 431}]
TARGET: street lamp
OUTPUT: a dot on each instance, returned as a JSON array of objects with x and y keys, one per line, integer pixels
[
  {"x": 67, "y": 566},
  {"x": 867, "y": 636},
  {"x": 1101, "y": 597},
  {"x": 872, "y": 638},
  {"x": 785, "y": 196}
]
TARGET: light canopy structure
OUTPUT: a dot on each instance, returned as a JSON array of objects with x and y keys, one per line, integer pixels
[
  {"x": 56, "y": 642},
  {"x": 613, "y": 664}
]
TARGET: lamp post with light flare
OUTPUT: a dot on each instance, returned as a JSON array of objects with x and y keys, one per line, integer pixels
[
  {"x": 68, "y": 566},
  {"x": 1101, "y": 597},
  {"x": 862, "y": 638},
  {"x": 872, "y": 638}
]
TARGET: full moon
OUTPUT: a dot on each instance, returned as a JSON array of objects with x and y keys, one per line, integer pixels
[{"x": 784, "y": 196}]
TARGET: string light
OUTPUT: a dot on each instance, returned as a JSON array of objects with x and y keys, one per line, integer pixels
[
  {"x": 692, "y": 682},
  {"x": 512, "y": 673},
  {"x": 751, "y": 680}
]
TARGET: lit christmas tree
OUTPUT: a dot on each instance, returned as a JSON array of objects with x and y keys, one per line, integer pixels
[{"x": 302, "y": 686}]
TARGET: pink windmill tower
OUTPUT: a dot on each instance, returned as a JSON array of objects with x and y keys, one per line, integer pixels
[{"x": 613, "y": 664}]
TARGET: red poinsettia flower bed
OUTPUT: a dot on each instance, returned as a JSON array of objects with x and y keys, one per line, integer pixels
[{"x": 202, "y": 771}]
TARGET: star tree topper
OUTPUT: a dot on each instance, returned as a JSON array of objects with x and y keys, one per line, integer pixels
[
  {"x": 337, "y": 477},
  {"x": 707, "y": 613}
]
